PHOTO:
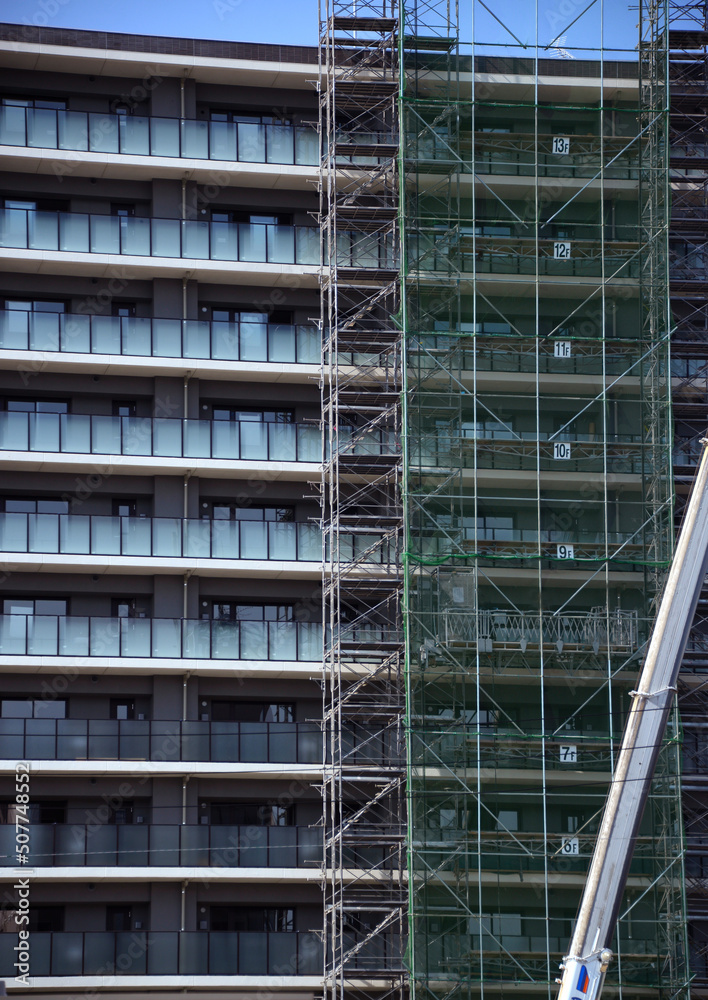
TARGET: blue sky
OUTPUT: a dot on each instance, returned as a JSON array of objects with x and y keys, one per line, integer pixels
[
  {"x": 290, "y": 22},
  {"x": 294, "y": 22}
]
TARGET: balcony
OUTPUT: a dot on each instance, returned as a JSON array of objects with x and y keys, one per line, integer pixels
[
  {"x": 504, "y": 448},
  {"x": 159, "y": 437},
  {"x": 516, "y": 851},
  {"x": 196, "y": 953},
  {"x": 113, "y": 739},
  {"x": 163, "y": 638},
  {"x": 450, "y": 252},
  {"x": 467, "y": 747},
  {"x": 165, "y": 846},
  {"x": 167, "y": 537},
  {"x": 616, "y": 631},
  {"x": 269, "y": 343},
  {"x": 178, "y": 538},
  {"x": 518, "y": 952},
  {"x": 81, "y": 131},
  {"x": 74, "y": 232},
  {"x": 550, "y": 546},
  {"x": 508, "y": 353},
  {"x": 518, "y": 154}
]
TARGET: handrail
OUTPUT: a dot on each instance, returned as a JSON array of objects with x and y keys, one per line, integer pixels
[
  {"x": 171, "y": 638},
  {"x": 182, "y": 538},
  {"x": 140, "y": 135},
  {"x": 161, "y": 740},
  {"x": 155, "y": 337},
  {"x": 165, "y": 844}
]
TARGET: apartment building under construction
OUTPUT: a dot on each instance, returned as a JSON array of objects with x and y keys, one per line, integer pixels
[{"x": 341, "y": 389}]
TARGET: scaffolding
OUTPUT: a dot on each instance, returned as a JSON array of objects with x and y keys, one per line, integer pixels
[
  {"x": 364, "y": 766},
  {"x": 688, "y": 76},
  {"x": 496, "y": 495},
  {"x": 537, "y": 489}
]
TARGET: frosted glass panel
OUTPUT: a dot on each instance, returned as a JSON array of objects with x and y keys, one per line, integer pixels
[
  {"x": 251, "y": 142},
  {"x": 222, "y": 137},
  {"x": 195, "y": 139}
]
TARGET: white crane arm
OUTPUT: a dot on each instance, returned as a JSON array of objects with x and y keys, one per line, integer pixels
[{"x": 586, "y": 964}]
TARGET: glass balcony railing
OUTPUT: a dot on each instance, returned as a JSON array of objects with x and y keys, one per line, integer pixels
[
  {"x": 79, "y": 845},
  {"x": 75, "y": 232},
  {"x": 153, "y": 740},
  {"x": 170, "y": 537},
  {"x": 169, "y": 953},
  {"x": 133, "y": 739},
  {"x": 171, "y": 638},
  {"x": 160, "y": 437},
  {"x": 245, "y": 142},
  {"x": 172, "y": 437},
  {"x": 276, "y": 343},
  {"x": 180, "y": 538}
]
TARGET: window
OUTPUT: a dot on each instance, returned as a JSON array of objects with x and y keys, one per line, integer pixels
[
  {"x": 33, "y": 102},
  {"x": 46, "y": 919},
  {"x": 248, "y": 117},
  {"x": 229, "y": 611},
  {"x": 122, "y": 709},
  {"x": 251, "y": 918},
  {"x": 119, "y": 918},
  {"x": 124, "y": 508},
  {"x": 225, "y": 412},
  {"x": 37, "y": 405},
  {"x": 39, "y": 812},
  {"x": 220, "y": 511},
  {"x": 252, "y": 711},
  {"x": 34, "y": 305},
  {"x": 33, "y": 708},
  {"x": 39, "y": 606},
  {"x": 123, "y": 309},
  {"x": 250, "y": 814},
  {"x": 507, "y": 819},
  {"x": 34, "y": 204},
  {"x": 224, "y": 314},
  {"x": 128, "y": 607},
  {"x": 17, "y": 506},
  {"x": 251, "y": 218},
  {"x": 124, "y": 408},
  {"x": 122, "y": 211}
]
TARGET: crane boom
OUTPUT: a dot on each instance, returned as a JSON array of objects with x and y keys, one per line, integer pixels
[{"x": 585, "y": 966}]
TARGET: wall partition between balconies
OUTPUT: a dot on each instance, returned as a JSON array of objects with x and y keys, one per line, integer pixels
[{"x": 135, "y": 135}]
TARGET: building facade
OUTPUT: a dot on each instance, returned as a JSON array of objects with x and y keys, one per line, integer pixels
[{"x": 337, "y": 496}]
